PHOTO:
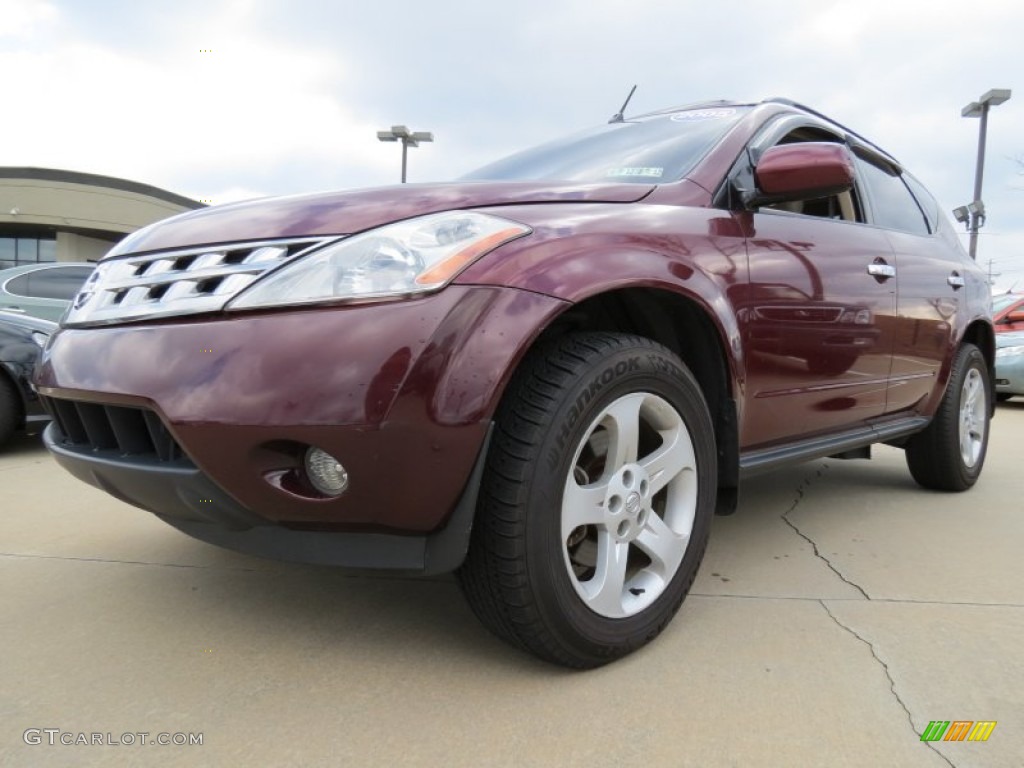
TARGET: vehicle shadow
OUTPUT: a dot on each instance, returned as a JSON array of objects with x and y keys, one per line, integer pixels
[
  {"x": 344, "y": 615},
  {"x": 23, "y": 444}
]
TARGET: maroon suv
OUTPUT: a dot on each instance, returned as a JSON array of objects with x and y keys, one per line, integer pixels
[{"x": 546, "y": 376}]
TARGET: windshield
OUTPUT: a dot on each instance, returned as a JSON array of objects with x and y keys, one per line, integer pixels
[{"x": 649, "y": 150}]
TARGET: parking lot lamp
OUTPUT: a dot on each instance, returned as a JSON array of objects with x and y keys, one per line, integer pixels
[
  {"x": 408, "y": 139},
  {"x": 980, "y": 109}
]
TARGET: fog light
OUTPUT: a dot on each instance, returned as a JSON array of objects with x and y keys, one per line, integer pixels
[{"x": 325, "y": 472}]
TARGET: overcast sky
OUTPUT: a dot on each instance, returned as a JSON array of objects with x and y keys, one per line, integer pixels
[{"x": 227, "y": 99}]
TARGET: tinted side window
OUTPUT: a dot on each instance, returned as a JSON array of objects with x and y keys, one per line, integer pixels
[
  {"x": 59, "y": 283},
  {"x": 893, "y": 205}
]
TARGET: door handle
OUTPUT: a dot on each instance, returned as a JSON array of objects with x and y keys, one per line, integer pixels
[
  {"x": 956, "y": 281},
  {"x": 882, "y": 270}
]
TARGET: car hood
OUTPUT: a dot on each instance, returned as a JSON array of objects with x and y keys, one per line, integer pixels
[{"x": 341, "y": 213}]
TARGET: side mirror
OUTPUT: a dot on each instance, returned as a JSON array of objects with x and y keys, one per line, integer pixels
[{"x": 801, "y": 171}]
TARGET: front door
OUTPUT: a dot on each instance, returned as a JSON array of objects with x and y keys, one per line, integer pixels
[{"x": 817, "y": 323}]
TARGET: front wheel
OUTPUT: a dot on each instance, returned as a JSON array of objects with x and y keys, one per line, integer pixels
[
  {"x": 949, "y": 454},
  {"x": 597, "y": 500}
]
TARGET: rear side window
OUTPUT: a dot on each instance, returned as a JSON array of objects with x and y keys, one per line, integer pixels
[
  {"x": 893, "y": 205},
  {"x": 924, "y": 197},
  {"x": 57, "y": 283}
]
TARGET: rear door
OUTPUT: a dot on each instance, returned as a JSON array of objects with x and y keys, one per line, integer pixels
[{"x": 932, "y": 277}]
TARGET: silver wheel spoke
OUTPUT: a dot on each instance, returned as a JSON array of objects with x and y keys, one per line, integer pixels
[
  {"x": 971, "y": 392},
  {"x": 665, "y": 464},
  {"x": 664, "y": 546},
  {"x": 605, "y": 590},
  {"x": 625, "y": 430},
  {"x": 582, "y": 505},
  {"x": 973, "y": 419}
]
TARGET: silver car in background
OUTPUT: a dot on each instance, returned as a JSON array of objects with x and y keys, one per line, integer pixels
[
  {"x": 42, "y": 290},
  {"x": 1009, "y": 364}
]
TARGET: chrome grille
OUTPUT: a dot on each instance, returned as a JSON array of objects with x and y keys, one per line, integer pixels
[{"x": 180, "y": 282}]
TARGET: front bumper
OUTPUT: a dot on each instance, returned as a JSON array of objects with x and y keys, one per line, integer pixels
[
  {"x": 205, "y": 422},
  {"x": 186, "y": 499}
]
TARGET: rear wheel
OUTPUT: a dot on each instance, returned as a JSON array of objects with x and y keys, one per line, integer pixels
[
  {"x": 596, "y": 504},
  {"x": 949, "y": 454}
]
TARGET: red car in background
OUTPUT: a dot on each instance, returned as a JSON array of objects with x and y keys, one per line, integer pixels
[
  {"x": 1008, "y": 312},
  {"x": 546, "y": 376}
]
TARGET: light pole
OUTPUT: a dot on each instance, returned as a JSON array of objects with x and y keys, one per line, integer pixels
[
  {"x": 408, "y": 139},
  {"x": 980, "y": 109}
]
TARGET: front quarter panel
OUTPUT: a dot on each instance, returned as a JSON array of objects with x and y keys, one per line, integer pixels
[{"x": 577, "y": 252}]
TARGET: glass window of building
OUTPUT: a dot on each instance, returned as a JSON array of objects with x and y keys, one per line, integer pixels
[{"x": 16, "y": 251}]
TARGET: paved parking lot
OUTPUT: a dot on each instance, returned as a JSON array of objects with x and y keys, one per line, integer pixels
[{"x": 835, "y": 615}]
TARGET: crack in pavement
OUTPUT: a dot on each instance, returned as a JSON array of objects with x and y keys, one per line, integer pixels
[
  {"x": 889, "y": 677},
  {"x": 113, "y": 561},
  {"x": 817, "y": 553},
  {"x": 355, "y": 575},
  {"x": 894, "y": 600}
]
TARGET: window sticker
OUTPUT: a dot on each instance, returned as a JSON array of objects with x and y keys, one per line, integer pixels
[
  {"x": 636, "y": 171},
  {"x": 703, "y": 114}
]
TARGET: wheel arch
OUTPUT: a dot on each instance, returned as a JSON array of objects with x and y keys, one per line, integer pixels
[{"x": 687, "y": 327}]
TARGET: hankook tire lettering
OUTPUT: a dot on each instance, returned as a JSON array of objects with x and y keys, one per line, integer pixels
[{"x": 599, "y": 382}]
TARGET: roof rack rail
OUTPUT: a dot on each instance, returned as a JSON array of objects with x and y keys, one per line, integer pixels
[
  {"x": 790, "y": 103},
  {"x": 717, "y": 103}
]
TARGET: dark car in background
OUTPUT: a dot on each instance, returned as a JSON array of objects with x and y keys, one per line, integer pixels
[
  {"x": 22, "y": 339},
  {"x": 42, "y": 290},
  {"x": 547, "y": 376}
]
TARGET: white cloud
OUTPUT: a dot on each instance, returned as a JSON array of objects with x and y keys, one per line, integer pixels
[
  {"x": 248, "y": 107},
  {"x": 20, "y": 18}
]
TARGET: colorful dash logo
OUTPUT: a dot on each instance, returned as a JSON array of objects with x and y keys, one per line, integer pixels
[{"x": 958, "y": 730}]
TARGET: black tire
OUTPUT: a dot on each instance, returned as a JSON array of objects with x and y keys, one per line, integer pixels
[
  {"x": 10, "y": 409},
  {"x": 1002, "y": 397},
  {"x": 539, "y": 588},
  {"x": 938, "y": 457}
]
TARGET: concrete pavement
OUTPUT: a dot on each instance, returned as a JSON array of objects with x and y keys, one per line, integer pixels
[{"x": 836, "y": 614}]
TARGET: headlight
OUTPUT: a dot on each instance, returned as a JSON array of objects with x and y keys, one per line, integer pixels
[
  {"x": 410, "y": 257},
  {"x": 1010, "y": 351}
]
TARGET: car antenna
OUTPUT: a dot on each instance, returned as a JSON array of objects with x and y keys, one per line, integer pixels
[{"x": 617, "y": 117}]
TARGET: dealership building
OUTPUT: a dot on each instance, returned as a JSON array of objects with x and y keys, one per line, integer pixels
[{"x": 51, "y": 215}]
